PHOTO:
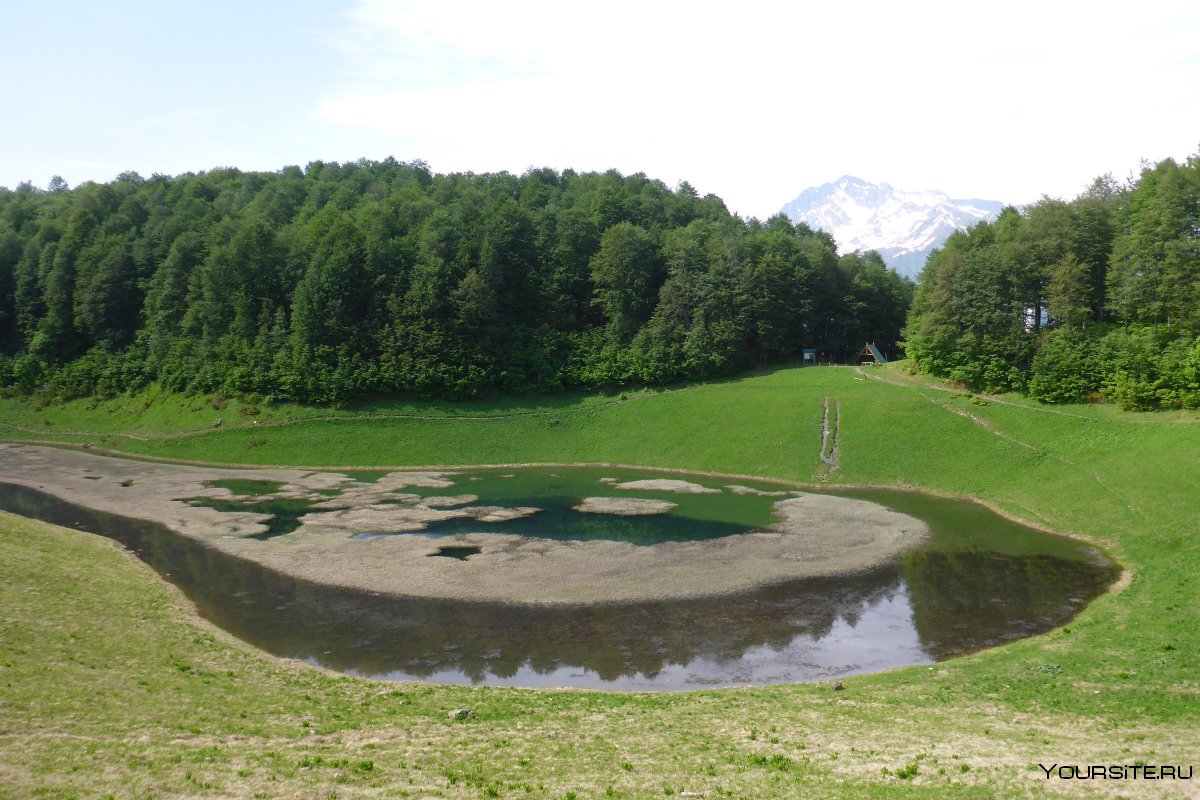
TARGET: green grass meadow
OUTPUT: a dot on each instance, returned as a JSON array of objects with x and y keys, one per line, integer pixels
[{"x": 110, "y": 685}]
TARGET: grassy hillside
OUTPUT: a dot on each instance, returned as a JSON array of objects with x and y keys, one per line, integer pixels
[{"x": 111, "y": 685}]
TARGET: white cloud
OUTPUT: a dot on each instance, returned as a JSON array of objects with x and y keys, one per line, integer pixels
[{"x": 754, "y": 102}]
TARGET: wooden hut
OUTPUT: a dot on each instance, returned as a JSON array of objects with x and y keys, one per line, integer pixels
[{"x": 870, "y": 355}]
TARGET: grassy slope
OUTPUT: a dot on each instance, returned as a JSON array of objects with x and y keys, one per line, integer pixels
[{"x": 111, "y": 685}]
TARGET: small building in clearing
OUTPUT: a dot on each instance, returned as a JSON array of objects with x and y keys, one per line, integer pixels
[{"x": 870, "y": 355}]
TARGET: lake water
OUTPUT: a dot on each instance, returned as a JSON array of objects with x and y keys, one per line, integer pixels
[{"x": 979, "y": 581}]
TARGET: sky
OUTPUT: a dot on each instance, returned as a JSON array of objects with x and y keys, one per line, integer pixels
[{"x": 752, "y": 101}]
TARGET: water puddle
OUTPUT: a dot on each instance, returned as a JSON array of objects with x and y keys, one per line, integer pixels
[{"x": 461, "y": 553}]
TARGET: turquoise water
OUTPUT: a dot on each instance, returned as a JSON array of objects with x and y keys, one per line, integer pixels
[{"x": 555, "y": 491}]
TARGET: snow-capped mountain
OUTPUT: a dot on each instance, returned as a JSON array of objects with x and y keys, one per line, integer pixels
[{"x": 902, "y": 226}]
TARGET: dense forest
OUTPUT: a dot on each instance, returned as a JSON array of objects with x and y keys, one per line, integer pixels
[
  {"x": 1068, "y": 301},
  {"x": 340, "y": 280}
]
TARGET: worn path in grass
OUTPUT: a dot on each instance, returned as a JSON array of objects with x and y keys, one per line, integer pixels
[{"x": 111, "y": 685}]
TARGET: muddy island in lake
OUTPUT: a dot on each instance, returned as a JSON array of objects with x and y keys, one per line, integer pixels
[{"x": 333, "y": 528}]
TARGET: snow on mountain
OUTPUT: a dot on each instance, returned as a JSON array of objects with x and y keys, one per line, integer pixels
[{"x": 902, "y": 226}]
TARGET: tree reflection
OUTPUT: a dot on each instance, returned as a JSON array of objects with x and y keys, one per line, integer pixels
[{"x": 960, "y": 601}]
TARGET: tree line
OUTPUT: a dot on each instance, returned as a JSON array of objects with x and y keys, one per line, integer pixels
[
  {"x": 335, "y": 281},
  {"x": 1098, "y": 297}
]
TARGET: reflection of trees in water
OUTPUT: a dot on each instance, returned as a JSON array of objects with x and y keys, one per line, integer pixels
[
  {"x": 960, "y": 602},
  {"x": 421, "y": 637},
  {"x": 374, "y": 634},
  {"x": 965, "y": 601}
]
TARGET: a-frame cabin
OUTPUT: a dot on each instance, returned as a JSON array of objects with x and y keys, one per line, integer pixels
[{"x": 870, "y": 355}]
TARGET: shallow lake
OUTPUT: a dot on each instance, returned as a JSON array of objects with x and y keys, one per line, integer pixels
[{"x": 979, "y": 581}]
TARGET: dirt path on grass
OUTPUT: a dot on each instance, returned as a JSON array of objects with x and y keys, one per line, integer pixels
[
  {"x": 992, "y": 429},
  {"x": 831, "y": 436},
  {"x": 991, "y": 398}
]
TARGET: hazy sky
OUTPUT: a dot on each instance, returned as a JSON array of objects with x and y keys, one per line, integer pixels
[{"x": 750, "y": 100}]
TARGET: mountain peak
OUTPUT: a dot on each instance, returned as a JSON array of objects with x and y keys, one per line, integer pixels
[
  {"x": 850, "y": 181},
  {"x": 903, "y": 226}
]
